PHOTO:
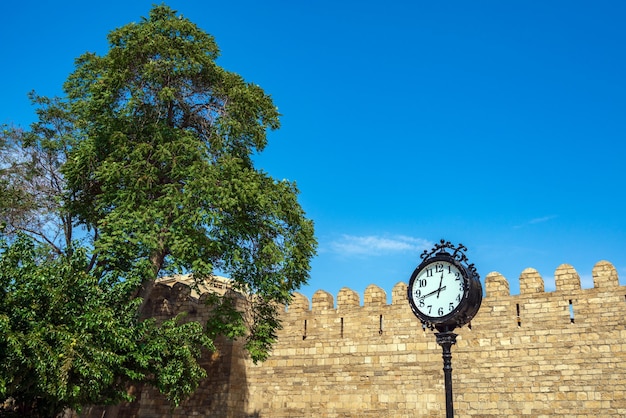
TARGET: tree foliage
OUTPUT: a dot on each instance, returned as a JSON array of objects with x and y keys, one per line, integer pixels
[
  {"x": 69, "y": 340},
  {"x": 143, "y": 169},
  {"x": 31, "y": 185}
]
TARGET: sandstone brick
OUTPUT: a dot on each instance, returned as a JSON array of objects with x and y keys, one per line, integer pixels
[{"x": 536, "y": 363}]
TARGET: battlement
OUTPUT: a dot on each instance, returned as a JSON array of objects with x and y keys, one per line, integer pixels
[
  {"x": 539, "y": 353},
  {"x": 497, "y": 286}
]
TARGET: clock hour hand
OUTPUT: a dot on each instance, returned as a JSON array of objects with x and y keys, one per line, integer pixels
[{"x": 433, "y": 292}]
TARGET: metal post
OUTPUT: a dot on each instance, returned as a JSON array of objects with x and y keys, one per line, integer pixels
[{"x": 446, "y": 339}]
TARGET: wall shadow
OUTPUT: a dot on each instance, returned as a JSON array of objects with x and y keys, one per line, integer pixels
[{"x": 223, "y": 393}]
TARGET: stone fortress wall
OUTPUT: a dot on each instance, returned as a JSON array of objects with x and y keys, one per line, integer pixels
[{"x": 536, "y": 354}]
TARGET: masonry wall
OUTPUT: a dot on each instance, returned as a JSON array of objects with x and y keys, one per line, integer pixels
[
  {"x": 224, "y": 393},
  {"x": 536, "y": 354}
]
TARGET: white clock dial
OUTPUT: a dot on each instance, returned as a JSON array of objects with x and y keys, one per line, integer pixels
[{"x": 438, "y": 289}]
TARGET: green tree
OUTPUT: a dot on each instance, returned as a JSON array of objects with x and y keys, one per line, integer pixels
[
  {"x": 148, "y": 161},
  {"x": 68, "y": 340}
]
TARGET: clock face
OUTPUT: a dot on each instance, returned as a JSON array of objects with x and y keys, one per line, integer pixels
[{"x": 438, "y": 289}]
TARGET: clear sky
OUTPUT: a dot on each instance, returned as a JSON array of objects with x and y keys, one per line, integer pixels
[{"x": 497, "y": 124}]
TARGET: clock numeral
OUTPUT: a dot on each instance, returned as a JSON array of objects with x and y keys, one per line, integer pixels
[
  {"x": 429, "y": 272},
  {"x": 458, "y": 298},
  {"x": 430, "y": 308},
  {"x": 438, "y": 268},
  {"x": 457, "y": 275},
  {"x": 451, "y": 307},
  {"x": 418, "y": 293},
  {"x": 421, "y": 303},
  {"x": 440, "y": 311},
  {"x": 421, "y": 283}
]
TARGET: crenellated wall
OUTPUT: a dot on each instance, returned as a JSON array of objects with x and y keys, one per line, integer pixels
[{"x": 536, "y": 354}]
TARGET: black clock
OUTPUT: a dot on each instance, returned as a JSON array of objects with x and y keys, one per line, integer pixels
[{"x": 444, "y": 291}]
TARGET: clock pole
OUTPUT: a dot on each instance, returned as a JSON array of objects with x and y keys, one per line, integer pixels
[
  {"x": 444, "y": 293},
  {"x": 446, "y": 340}
]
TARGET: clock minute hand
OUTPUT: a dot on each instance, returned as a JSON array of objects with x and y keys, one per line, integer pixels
[{"x": 440, "y": 283}]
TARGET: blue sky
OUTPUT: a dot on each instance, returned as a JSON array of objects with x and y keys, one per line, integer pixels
[{"x": 496, "y": 124}]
